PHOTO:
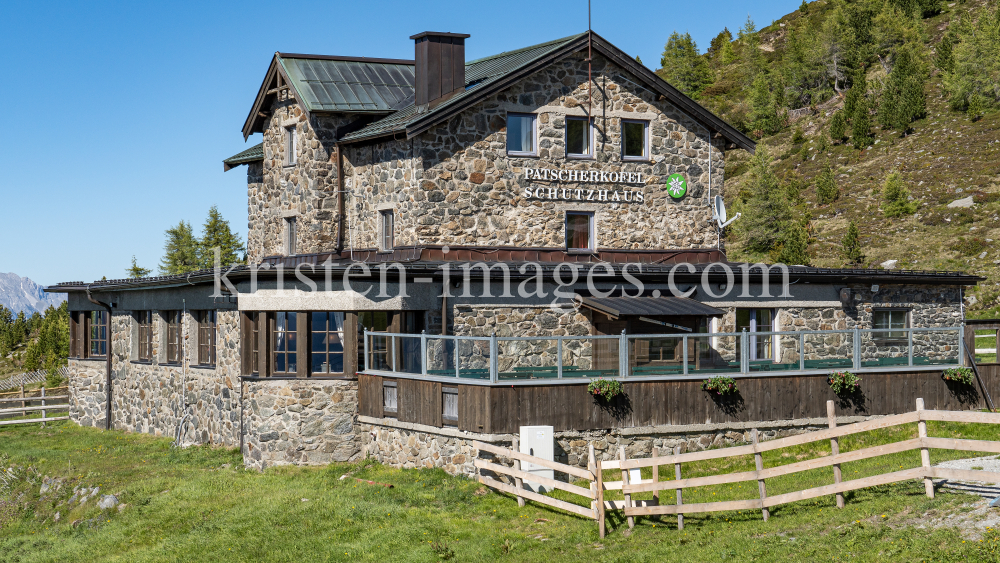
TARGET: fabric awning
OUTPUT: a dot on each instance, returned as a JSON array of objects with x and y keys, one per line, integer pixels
[{"x": 618, "y": 306}]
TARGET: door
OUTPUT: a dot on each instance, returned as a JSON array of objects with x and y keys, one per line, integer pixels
[{"x": 606, "y": 349}]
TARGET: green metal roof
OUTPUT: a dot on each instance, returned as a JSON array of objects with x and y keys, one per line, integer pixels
[
  {"x": 340, "y": 84},
  {"x": 252, "y": 154},
  {"x": 478, "y": 73}
]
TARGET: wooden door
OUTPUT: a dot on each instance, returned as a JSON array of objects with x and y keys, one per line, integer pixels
[{"x": 606, "y": 350}]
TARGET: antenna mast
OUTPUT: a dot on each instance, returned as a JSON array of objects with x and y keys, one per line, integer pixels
[{"x": 590, "y": 66}]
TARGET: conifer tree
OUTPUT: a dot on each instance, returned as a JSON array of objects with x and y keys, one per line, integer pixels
[
  {"x": 838, "y": 126},
  {"x": 826, "y": 186},
  {"x": 850, "y": 246},
  {"x": 895, "y": 197},
  {"x": 638, "y": 60},
  {"x": 217, "y": 234},
  {"x": 793, "y": 248},
  {"x": 180, "y": 251},
  {"x": 136, "y": 271},
  {"x": 861, "y": 125},
  {"x": 804, "y": 7},
  {"x": 751, "y": 58},
  {"x": 718, "y": 42},
  {"x": 975, "y": 61},
  {"x": 763, "y": 109},
  {"x": 765, "y": 208},
  {"x": 903, "y": 97},
  {"x": 683, "y": 67}
]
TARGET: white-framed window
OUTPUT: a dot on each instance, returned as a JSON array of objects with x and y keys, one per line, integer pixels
[
  {"x": 386, "y": 240},
  {"x": 290, "y": 236},
  {"x": 635, "y": 139},
  {"x": 291, "y": 146},
  {"x": 522, "y": 132},
  {"x": 390, "y": 398},
  {"x": 580, "y": 230},
  {"x": 579, "y": 137},
  {"x": 449, "y": 406},
  {"x": 756, "y": 321},
  {"x": 890, "y": 318}
]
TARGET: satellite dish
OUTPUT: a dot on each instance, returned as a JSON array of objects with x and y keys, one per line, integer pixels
[{"x": 719, "y": 213}]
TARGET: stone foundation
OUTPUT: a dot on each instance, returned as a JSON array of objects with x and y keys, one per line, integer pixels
[{"x": 408, "y": 445}]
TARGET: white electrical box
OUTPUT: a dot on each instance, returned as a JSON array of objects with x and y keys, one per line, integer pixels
[{"x": 538, "y": 441}]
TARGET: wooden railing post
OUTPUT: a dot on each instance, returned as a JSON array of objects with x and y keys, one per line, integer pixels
[
  {"x": 656, "y": 479},
  {"x": 595, "y": 468},
  {"x": 759, "y": 460},
  {"x": 518, "y": 482},
  {"x": 23, "y": 413},
  {"x": 831, "y": 416},
  {"x": 680, "y": 495},
  {"x": 625, "y": 482},
  {"x": 925, "y": 454}
]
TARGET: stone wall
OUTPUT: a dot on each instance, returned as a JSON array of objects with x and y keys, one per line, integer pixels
[
  {"x": 87, "y": 394},
  {"x": 304, "y": 422},
  {"x": 306, "y": 190},
  {"x": 456, "y": 185}
]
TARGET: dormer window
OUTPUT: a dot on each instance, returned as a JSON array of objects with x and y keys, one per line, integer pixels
[{"x": 291, "y": 146}]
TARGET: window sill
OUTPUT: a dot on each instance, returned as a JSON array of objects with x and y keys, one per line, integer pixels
[
  {"x": 636, "y": 159},
  {"x": 292, "y": 165},
  {"x": 580, "y": 251},
  {"x": 92, "y": 359},
  {"x": 202, "y": 366},
  {"x": 580, "y": 157},
  {"x": 170, "y": 364},
  {"x": 522, "y": 154},
  {"x": 141, "y": 362}
]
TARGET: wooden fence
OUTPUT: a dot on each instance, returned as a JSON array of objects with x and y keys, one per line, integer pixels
[
  {"x": 17, "y": 405},
  {"x": 635, "y": 508}
]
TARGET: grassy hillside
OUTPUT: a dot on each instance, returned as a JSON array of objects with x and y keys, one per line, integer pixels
[
  {"x": 944, "y": 155},
  {"x": 198, "y": 504}
]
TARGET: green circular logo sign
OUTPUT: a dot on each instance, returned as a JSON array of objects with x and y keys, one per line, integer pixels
[{"x": 676, "y": 186}]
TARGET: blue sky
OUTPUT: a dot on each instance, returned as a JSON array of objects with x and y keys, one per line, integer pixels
[{"x": 118, "y": 115}]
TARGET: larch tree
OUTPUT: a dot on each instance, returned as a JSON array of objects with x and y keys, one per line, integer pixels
[
  {"x": 137, "y": 271},
  {"x": 683, "y": 67}
]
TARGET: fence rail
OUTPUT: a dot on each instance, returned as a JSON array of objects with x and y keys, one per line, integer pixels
[
  {"x": 27, "y": 378},
  {"x": 34, "y": 401},
  {"x": 631, "y": 509},
  {"x": 534, "y": 360}
]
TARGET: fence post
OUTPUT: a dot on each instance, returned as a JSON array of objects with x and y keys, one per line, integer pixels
[
  {"x": 744, "y": 354},
  {"x": 622, "y": 355},
  {"x": 494, "y": 364},
  {"x": 625, "y": 481},
  {"x": 925, "y": 455},
  {"x": 656, "y": 479},
  {"x": 559, "y": 357},
  {"x": 423, "y": 353},
  {"x": 831, "y": 416},
  {"x": 909, "y": 347},
  {"x": 367, "y": 363},
  {"x": 43, "y": 405},
  {"x": 962, "y": 359},
  {"x": 857, "y": 348},
  {"x": 759, "y": 461},
  {"x": 23, "y": 413},
  {"x": 518, "y": 482},
  {"x": 802, "y": 351},
  {"x": 684, "y": 343},
  {"x": 458, "y": 372},
  {"x": 680, "y": 495},
  {"x": 595, "y": 468}
]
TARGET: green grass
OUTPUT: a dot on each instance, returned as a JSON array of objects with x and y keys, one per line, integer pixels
[{"x": 198, "y": 504}]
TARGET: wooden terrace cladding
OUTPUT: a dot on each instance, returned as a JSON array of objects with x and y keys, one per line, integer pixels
[{"x": 658, "y": 403}]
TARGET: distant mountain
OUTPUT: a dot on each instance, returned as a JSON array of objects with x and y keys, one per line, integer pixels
[{"x": 22, "y": 294}]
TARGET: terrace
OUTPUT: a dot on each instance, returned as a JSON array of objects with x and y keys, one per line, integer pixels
[{"x": 541, "y": 360}]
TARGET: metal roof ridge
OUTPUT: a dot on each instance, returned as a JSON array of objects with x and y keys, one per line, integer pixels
[{"x": 374, "y": 60}]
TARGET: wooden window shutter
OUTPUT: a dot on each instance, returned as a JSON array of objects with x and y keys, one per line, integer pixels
[
  {"x": 302, "y": 347},
  {"x": 74, "y": 334},
  {"x": 246, "y": 347},
  {"x": 265, "y": 322}
]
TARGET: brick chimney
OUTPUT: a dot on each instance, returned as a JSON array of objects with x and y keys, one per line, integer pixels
[{"x": 440, "y": 66}]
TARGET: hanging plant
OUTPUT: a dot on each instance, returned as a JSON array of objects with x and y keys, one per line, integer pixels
[
  {"x": 962, "y": 375},
  {"x": 844, "y": 382},
  {"x": 605, "y": 388},
  {"x": 720, "y": 385}
]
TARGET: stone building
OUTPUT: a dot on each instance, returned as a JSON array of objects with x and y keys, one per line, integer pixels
[{"x": 422, "y": 217}]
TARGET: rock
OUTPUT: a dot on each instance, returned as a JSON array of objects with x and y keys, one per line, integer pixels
[
  {"x": 889, "y": 264},
  {"x": 983, "y": 255},
  {"x": 56, "y": 517},
  {"x": 107, "y": 502},
  {"x": 964, "y": 202},
  {"x": 122, "y": 506}
]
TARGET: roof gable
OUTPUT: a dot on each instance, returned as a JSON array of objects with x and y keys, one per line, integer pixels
[
  {"x": 333, "y": 84},
  {"x": 487, "y": 76}
]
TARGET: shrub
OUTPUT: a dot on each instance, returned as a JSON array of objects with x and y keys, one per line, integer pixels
[
  {"x": 838, "y": 126},
  {"x": 961, "y": 375},
  {"x": 969, "y": 246},
  {"x": 798, "y": 137},
  {"x": 844, "y": 382},
  {"x": 720, "y": 385},
  {"x": 605, "y": 388},
  {"x": 895, "y": 197}
]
